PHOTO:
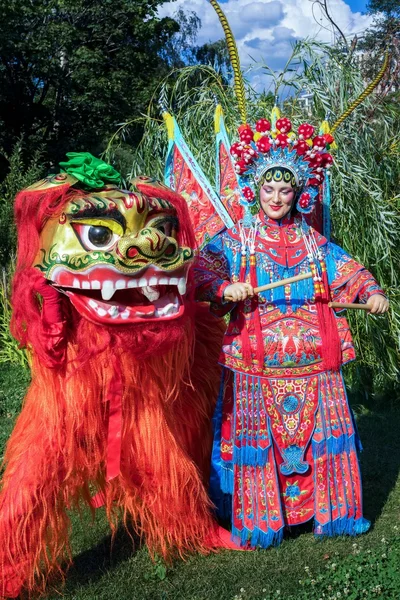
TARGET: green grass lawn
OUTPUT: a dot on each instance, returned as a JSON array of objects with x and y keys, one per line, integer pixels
[{"x": 105, "y": 571}]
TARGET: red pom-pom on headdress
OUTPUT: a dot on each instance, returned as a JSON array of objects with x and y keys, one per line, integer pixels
[
  {"x": 305, "y": 131},
  {"x": 301, "y": 147},
  {"x": 319, "y": 142},
  {"x": 263, "y": 144},
  {"x": 236, "y": 150},
  {"x": 246, "y": 134},
  {"x": 304, "y": 200},
  {"x": 282, "y": 140},
  {"x": 284, "y": 125},
  {"x": 248, "y": 193},
  {"x": 263, "y": 125}
]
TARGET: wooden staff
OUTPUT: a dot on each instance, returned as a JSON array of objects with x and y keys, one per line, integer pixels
[
  {"x": 349, "y": 305},
  {"x": 275, "y": 284}
]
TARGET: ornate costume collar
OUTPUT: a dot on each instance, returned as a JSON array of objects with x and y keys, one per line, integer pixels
[{"x": 264, "y": 220}]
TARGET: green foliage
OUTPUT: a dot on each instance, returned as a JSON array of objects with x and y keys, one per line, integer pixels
[
  {"x": 189, "y": 93},
  {"x": 389, "y": 7},
  {"x": 159, "y": 570},
  {"x": 363, "y": 575},
  {"x": 365, "y": 205},
  {"x": 180, "y": 49},
  {"x": 13, "y": 382},
  {"x": 383, "y": 35},
  {"x": 215, "y": 54},
  {"x": 21, "y": 174},
  {"x": 9, "y": 349},
  {"x": 71, "y": 69}
]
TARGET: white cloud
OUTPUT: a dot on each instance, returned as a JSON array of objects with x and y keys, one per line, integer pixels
[{"x": 264, "y": 30}]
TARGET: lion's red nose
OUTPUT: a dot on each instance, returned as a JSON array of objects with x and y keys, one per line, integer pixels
[{"x": 131, "y": 252}]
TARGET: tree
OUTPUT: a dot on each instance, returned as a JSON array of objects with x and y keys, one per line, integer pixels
[
  {"x": 391, "y": 8},
  {"x": 383, "y": 36},
  {"x": 180, "y": 49},
  {"x": 70, "y": 70},
  {"x": 215, "y": 54}
]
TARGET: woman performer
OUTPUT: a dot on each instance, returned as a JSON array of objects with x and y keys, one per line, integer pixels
[{"x": 285, "y": 446}]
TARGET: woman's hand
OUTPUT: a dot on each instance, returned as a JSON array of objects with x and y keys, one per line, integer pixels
[
  {"x": 237, "y": 292},
  {"x": 378, "y": 304}
]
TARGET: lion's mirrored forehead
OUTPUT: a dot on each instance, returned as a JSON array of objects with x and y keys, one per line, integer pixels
[{"x": 130, "y": 209}]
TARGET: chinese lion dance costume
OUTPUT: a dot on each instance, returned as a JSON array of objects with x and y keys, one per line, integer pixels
[{"x": 123, "y": 381}]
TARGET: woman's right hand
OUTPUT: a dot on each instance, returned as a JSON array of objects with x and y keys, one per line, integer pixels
[{"x": 236, "y": 292}]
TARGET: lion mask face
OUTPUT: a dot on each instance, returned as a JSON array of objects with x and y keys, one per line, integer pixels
[{"x": 117, "y": 257}]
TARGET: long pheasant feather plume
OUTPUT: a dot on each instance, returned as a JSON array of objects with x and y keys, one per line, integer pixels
[
  {"x": 235, "y": 62},
  {"x": 368, "y": 90}
]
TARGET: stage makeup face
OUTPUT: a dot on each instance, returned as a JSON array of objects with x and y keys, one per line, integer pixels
[{"x": 276, "y": 198}]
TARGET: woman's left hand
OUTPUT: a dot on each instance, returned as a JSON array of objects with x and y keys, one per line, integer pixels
[{"x": 378, "y": 304}]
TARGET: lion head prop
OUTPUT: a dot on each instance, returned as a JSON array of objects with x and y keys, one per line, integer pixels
[
  {"x": 121, "y": 257},
  {"x": 118, "y": 411}
]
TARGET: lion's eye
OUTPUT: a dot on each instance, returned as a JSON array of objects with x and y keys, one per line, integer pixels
[
  {"x": 168, "y": 226},
  {"x": 100, "y": 236},
  {"x": 96, "y": 237},
  {"x": 165, "y": 228}
]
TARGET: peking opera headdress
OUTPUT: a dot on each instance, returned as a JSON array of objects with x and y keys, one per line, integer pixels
[
  {"x": 275, "y": 147},
  {"x": 302, "y": 154}
]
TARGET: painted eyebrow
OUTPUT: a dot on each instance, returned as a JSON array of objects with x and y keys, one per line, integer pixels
[
  {"x": 284, "y": 189},
  {"x": 94, "y": 212},
  {"x": 162, "y": 212}
]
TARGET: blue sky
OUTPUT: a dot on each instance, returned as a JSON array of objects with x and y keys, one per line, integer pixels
[
  {"x": 265, "y": 30},
  {"x": 357, "y": 5}
]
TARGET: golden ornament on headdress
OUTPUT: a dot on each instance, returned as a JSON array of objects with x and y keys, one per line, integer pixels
[
  {"x": 235, "y": 62},
  {"x": 368, "y": 90}
]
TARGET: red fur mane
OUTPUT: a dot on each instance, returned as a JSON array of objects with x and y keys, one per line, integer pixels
[{"x": 169, "y": 380}]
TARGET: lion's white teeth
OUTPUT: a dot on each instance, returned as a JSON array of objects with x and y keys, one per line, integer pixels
[
  {"x": 132, "y": 283},
  {"x": 96, "y": 285},
  {"x": 86, "y": 285},
  {"x": 173, "y": 281},
  {"x": 167, "y": 310},
  {"x": 76, "y": 283},
  {"x": 93, "y": 303},
  {"x": 142, "y": 282},
  {"x": 170, "y": 309},
  {"x": 113, "y": 311},
  {"x": 153, "y": 281},
  {"x": 125, "y": 314},
  {"x": 150, "y": 293},
  {"x": 108, "y": 289},
  {"x": 101, "y": 312},
  {"x": 182, "y": 286},
  {"x": 163, "y": 281},
  {"x": 120, "y": 284}
]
